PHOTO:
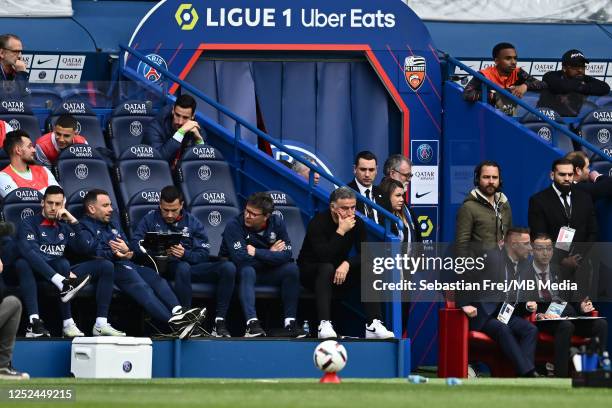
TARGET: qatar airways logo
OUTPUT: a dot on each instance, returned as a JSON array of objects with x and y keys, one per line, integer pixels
[{"x": 50, "y": 249}]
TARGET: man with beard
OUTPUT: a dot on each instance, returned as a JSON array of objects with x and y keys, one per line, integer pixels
[
  {"x": 506, "y": 74},
  {"x": 22, "y": 172},
  {"x": 568, "y": 88},
  {"x": 174, "y": 129},
  {"x": 567, "y": 215},
  {"x": 485, "y": 215}
]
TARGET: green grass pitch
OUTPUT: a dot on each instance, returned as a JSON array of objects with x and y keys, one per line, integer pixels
[{"x": 175, "y": 393}]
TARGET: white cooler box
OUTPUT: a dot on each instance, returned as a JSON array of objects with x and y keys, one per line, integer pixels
[{"x": 111, "y": 357}]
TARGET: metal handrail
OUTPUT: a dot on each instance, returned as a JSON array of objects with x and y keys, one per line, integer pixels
[
  {"x": 484, "y": 94},
  {"x": 242, "y": 122}
]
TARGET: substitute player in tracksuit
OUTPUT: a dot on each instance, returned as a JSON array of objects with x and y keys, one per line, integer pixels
[
  {"x": 189, "y": 260},
  {"x": 258, "y": 243},
  {"x": 43, "y": 240},
  {"x": 104, "y": 239}
]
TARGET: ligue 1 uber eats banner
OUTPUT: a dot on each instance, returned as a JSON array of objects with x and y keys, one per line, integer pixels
[{"x": 399, "y": 56}]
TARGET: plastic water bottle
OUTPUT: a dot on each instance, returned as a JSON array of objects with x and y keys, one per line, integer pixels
[
  {"x": 306, "y": 328},
  {"x": 605, "y": 361},
  {"x": 417, "y": 379},
  {"x": 452, "y": 381}
]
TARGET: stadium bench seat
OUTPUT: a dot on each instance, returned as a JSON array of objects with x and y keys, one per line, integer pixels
[
  {"x": 203, "y": 168},
  {"x": 47, "y": 98},
  {"x": 545, "y": 131},
  {"x": 88, "y": 124},
  {"x": 596, "y": 128},
  {"x": 214, "y": 209},
  {"x": 20, "y": 204},
  {"x": 285, "y": 207},
  {"x": 79, "y": 169},
  {"x": 127, "y": 125},
  {"x": 141, "y": 169},
  {"x": 18, "y": 114}
]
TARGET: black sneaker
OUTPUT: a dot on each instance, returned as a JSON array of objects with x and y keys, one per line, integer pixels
[
  {"x": 220, "y": 329},
  {"x": 198, "y": 331},
  {"x": 9, "y": 373},
  {"x": 72, "y": 286},
  {"x": 254, "y": 329},
  {"x": 37, "y": 329},
  {"x": 295, "y": 331}
]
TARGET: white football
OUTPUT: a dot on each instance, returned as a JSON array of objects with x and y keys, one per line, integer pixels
[{"x": 330, "y": 356}]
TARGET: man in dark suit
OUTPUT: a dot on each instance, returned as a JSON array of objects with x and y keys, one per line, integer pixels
[
  {"x": 561, "y": 211},
  {"x": 541, "y": 270},
  {"x": 599, "y": 186},
  {"x": 516, "y": 336},
  {"x": 365, "y": 169}
]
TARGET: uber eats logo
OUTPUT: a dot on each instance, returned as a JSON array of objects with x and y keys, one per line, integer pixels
[{"x": 186, "y": 17}]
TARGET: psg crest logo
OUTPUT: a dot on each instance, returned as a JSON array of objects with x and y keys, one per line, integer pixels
[
  {"x": 415, "y": 71},
  {"x": 149, "y": 72},
  {"x": 424, "y": 153}
]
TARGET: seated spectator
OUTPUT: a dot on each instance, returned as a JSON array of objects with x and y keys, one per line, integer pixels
[
  {"x": 174, "y": 129},
  {"x": 304, "y": 171},
  {"x": 23, "y": 172},
  {"x": 42, "y": 241},
  {"x": 14, "y": 78},
  {"x": 365, "y": 169},
  {"x": 10, "y": 315},
  {"x": 104, "y": 239},
  {"x": 516, "y": 337},
  {"x": 257, "y": 242},
  {"x": 542, "y": 270},
  {"x": 189, "y": 261},
  {"x": 4, "y": 129},
  {"x": 50, "y": 145},
  {"x": 599, "y": 186},
  {"x": 568, "y": 89},
  {"x": 326, "y": 263},
  {"x": 507, "y": 75}
]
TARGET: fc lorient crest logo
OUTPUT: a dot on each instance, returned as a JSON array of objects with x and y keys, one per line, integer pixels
[{"x": 415, "y": 71}]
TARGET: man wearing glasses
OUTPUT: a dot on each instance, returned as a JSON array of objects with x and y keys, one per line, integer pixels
[
  {"x": 12, "y": 68},
  {"x": 257, "y": 242},
  {"x": 552, "y": 306}
]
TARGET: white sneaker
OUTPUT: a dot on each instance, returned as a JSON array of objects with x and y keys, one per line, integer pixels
[
  {"x": 106, "y": 330},
  {"x": 72, "y": 331},
  {"x": 326, "y": 330},
  {"x": 377, "y": 330}
]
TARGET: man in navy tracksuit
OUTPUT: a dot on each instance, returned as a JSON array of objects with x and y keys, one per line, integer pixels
[
  {"x": 189, "y": 260},
  {"x": 103, "y": 238},
  {"x": 258, "y": 243},
  {"x": 42, "y": 240}
]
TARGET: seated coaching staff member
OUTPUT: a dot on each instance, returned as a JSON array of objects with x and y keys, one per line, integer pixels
[
  {"x": 257, "y": 242},
  {"x": 189, "y": 260},
  {"x": 324, "y": 261}
]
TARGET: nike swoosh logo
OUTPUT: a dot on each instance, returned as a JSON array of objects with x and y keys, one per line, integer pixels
[
  {"x": 422, "y": 195},
  {"x": 44, "y": 61},
  {"x": 371, "y": 330}
]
